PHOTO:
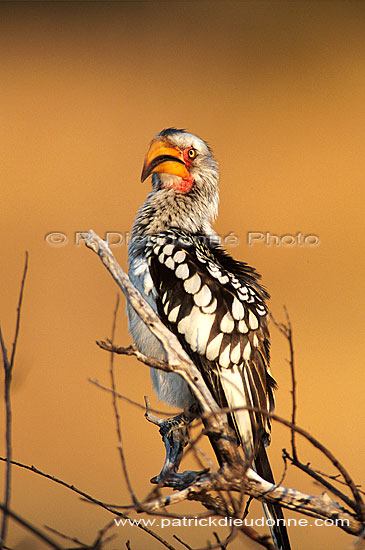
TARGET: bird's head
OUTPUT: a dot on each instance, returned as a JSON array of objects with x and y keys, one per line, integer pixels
[
  {"x": 181, "y": 162},
  {"x": 185, "y": 184}
]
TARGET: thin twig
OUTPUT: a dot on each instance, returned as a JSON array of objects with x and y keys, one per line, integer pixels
[
  {"x": 132, "y": 350},
  {"x": 19, "y": 308},
  {"x": 125, "y": 398},
  {"x": 315, "y": 475},
  {"x": 66, "y": 537},
  {"x": 232, "y": 534},
  {"x": 60, "y": 482},
  {"x": 4, "y": 352},
  {"x": 287, "y": 331},
  {"x": 335, "y": 478},
  {"x": 90, "y": 499},
  {"x": 116, "y": 412},
  {"x": 102, "y": 532},
  {"x": 221, "y": 544},
  {"x": 283, "y": 475},
  {"x": 8, "y": 372},
  {"x": 182, "y": 542},
  {"x": 51, "y": 543}
]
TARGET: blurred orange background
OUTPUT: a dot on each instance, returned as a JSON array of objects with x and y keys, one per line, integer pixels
[{"x": 277, "y": 89}]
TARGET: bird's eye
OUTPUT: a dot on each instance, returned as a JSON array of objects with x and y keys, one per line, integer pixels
[{"x": 191, "y": 153}]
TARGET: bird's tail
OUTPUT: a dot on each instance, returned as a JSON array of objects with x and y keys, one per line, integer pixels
[
  {"x": 237, "y": 392},
  {"x": 273, "y": 512}
]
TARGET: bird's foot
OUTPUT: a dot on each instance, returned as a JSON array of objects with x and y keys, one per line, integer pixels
[{"x": 175, "y": 436}]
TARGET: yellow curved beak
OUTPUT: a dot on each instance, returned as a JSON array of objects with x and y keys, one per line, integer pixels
[{"x": 162, "y": 157}]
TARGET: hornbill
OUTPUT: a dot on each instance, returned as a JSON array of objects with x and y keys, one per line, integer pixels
[{"x": 214, "y": 304}]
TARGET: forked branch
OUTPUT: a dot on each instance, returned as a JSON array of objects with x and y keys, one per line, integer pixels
[{"x": 234, "y": 474}]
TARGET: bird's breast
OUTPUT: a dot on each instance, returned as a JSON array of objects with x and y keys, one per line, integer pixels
[{"x": 169, "y": 387}]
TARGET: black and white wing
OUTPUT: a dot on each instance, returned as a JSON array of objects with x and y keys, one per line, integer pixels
[{"x": 216, "y": 308}]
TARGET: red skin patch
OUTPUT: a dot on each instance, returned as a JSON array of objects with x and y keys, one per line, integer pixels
[{"x": 184, "y": 185}]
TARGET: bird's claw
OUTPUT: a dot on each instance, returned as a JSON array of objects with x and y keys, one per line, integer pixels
[{"x": 175, "y": 436}]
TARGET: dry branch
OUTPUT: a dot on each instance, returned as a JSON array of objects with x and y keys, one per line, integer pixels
[
  {"x": 31, "y": 528},
  {"x": 234, "y": 473},
  {"x": 8, "y": 374},
  {"x": 287, "y": 332},
  {"x": 116, "y": 411}
]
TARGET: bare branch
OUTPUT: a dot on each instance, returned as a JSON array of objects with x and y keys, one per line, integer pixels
[
  {"x": 222, "y": 545},
  {"x": 307, "y": 504},
  {"x": 98, "y": 544},
  {"x": 219, "y": 544},
  {"x": 182, "y": 542},
  {"x": 295, "y": 428},
  {"x": 90, "y": 499},
  {"x": 19, "y": 309},
  {"x": 24, "y": 523},
  {"x": 318, "y": 477},
  {"x": 287, "y": 331},
  {"x": 337, "y": 480},
  {"x": 116, "y": 412},
  {"x": 102, "y": 532},
  {"x": 8, "y": 372},
  {"x": 235, "y": 475},
  {"x": 317, "y": 506},
  {"x": 66, "y": 537},
  {"x": 125, "y": 398},
  {"x": 4, "y": 353},
  {"x": 132, "y": 350}
]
